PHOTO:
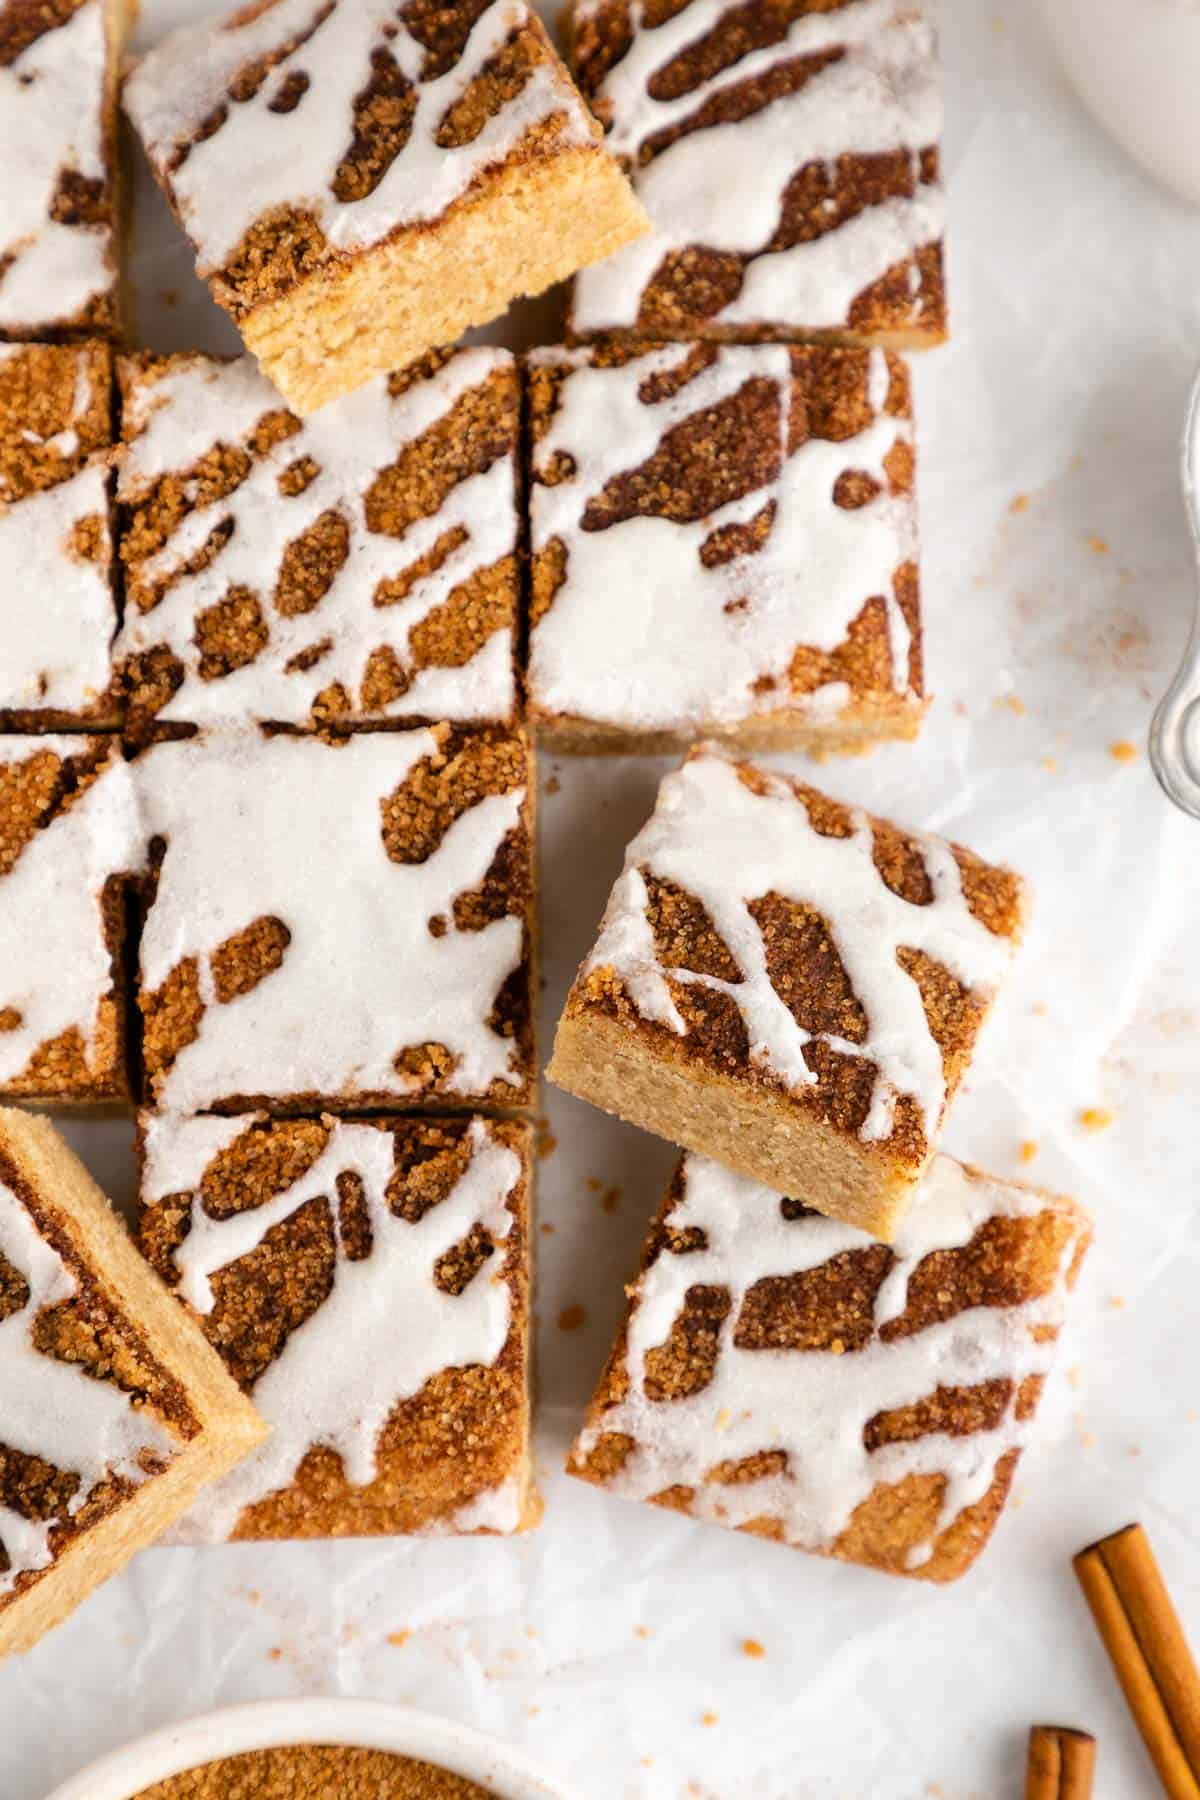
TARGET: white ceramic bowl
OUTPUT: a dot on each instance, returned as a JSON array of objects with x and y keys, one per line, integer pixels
[
  {"x": 268, "y": 1724},
  {"x": 1137, "y": 69}
]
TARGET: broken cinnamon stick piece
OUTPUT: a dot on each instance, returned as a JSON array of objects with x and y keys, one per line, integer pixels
[
  {"x": 1148, "y": 1651},
  {"x": 1061, "y": 1763}
]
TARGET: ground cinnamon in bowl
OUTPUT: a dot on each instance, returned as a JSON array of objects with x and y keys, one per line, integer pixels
[{"x": 316, "y": 1772}]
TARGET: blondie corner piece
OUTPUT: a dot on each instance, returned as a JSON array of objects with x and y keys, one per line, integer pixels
[
  {"x": 68, "y": 838},
  {"x": 59, "y": 225},
  {"x": 58, "y": 613},
  {"x": 114, "y": 1411},
  {"x": 341, "y": 924},
  {"x": 367, "y": 1283},
  {"x": 780, "y": 1373},
  {"x": 789, "y": 985},
  {"x": 787, "y": 155},
  {"x": 764, "y": 495},
  {"x": 357, "y": 569},
  {"x": 361, "y": 183}
]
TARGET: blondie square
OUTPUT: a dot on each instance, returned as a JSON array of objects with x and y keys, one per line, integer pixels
[
  {"x": 57, "y": 610},
  {"x": 787, "y": 154},
  {"x": 340, "y": 924},
  {"x": 779, "y": 1373},
  {"x": 59, "y": 223},
  {"x": 764, "y": 495},
  {"x": 789, "y": 985},
  {"x": 69, "y": 835},
  {"x": 367, "y": 1284},
  {"x": 114, "y": 1412},
  {"x": 359, "y": 568},
  {"x": 363, "y": 182}
]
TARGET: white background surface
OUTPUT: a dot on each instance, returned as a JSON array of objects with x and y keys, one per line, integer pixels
[{"x": 602, "y": 1642}]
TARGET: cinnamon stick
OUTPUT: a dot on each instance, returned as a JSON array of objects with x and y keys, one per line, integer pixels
[
  {"x": 1148, "y": 1651},
  {"x": 1061, "y": 1763}
]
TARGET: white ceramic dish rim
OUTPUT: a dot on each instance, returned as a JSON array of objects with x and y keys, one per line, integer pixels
[{"x": 269, "y": 1724}]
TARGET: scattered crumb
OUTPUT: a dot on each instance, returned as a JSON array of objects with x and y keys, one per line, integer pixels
[
  {"x": 752, "y": 1647},
  {"x": 647, "y": 1762},
  {"x": 398, "y": 1639},
  {"x": 532, "y": 1711},
  {"x": 1039, "y": 1009},
  {"x": 1123, "y": 751},
  {"x": 610, "y": 1199},
  {"x": 545, "y": 1142},
  {"x": 1019, "y": 503},
  {"x": 709, "y": 1718},
  {"x": 641, "y": 1631},
  {"x": 1028, "y": 1150},
  {"x": 1097, "y": 545},
  {"x": 1050, "y": 764},
  {"x": 1117, "y": 1302},
  {"x": 1075, "y": 1376},
  {"x": 1014, "y": 703},
  {"x": 572, "y": 1317},
  {"x": 593, "y": 1186},
  {"x": 553, "y": 784},
  {"x": 275, "y": 1653},
  {"x": 721, "y": 1422},
  {"x": 1096, "y": 1118},
  {"x": 548, "y": 1229},
  {"x": 1191, "y": 1415},
  {"x": 169, "y": 296}
]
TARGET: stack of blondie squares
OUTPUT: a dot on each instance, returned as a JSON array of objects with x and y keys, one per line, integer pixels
[{"x": 277, "y": 637}]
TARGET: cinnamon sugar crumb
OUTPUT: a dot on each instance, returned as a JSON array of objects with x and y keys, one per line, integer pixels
[
  {"x": 1013, "y": 702},
  {"x": 1019, "y": 503},
  {"x": 1096, "y": 1118},
  {"x": 553, "y": 784},
  {"x": 709, "y": 1718},
  {"x": 1096, "y": 545},
  {"x": 752, "y": 1647},
  {"x": 548, "y": 1229},
  {"x": 1029, "y": 1149},
  {"x": 398, "y": 1639},
  {"x": 545, "y": 1143},
  {"x": 610, "y": 1199},
  {"x": 1123, "y": 751},
  {"x": 572, "y": 1317}
]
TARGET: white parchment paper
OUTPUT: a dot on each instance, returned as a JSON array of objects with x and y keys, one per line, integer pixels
[{"x": 1058, "y": 585}]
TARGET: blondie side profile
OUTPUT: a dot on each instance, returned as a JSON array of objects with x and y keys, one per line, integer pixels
[
  {"x": 337, "y": 925},
  {"x": 69, "y": 835},
  {"x": 357, "y": 569},
  {"x": 114, "y": 1411},
  {"x": 58, "y": 613},
  {"x": 765, "y": 497},
  {"x": 361, "y": 184},
  {"x": 60, "y": 228},
  {"x": 780, "y": 1373},
  {"x": 789, "y": 985},
  {"x": 787, "y": 154},
  {"x": 367, "y": 1284}
]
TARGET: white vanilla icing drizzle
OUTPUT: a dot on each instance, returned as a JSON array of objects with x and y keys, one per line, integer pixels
[
  {"x": 59, "y": 616},
  {"x": 259, "y": 160},
  {"x": 55, "y": 966},
  {"x": 814, "y": 1405},
  {"x": 175, "y": 421},
  {"x": 51, "y": 123},
  {"x": 723, "y": 186},
  {"x": 291, "y": 828},
  {"x": 728, "y": 846},
  {"x": 640, "y": 633},
  {"x": 386, "y": 1327},
  {"x": 55, "y": 1410}
]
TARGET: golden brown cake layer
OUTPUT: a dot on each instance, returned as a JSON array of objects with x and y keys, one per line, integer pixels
[
  {"x": 121, "y": 1414},
  {"x": 790, "y": 985}
]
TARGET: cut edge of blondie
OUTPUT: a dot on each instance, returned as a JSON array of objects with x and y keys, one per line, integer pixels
[
  {"x": 227, "y": 1425},
  {"x": 576, "y": 205},
  {"x": 755, "y": 1131}
]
